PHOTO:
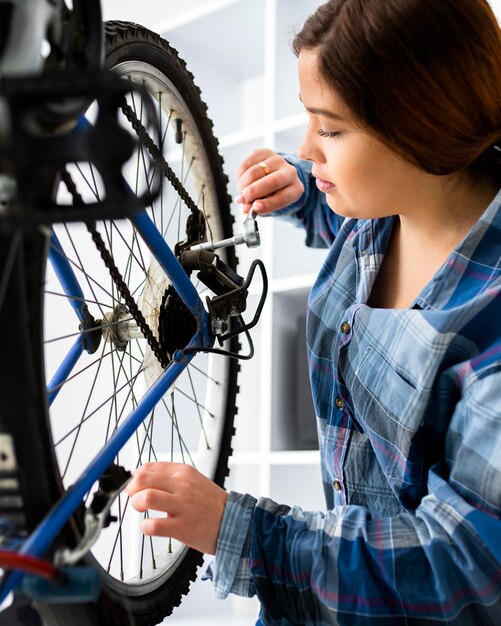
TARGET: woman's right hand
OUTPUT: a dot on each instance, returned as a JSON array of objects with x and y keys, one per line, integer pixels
[{"x": 268, "y": 187}]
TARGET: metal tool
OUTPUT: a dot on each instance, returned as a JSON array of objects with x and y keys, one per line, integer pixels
[{"x": 249, "y": 236}]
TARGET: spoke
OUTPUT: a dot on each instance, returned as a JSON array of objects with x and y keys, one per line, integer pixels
[
  {"x": 198, "y": 410},
  {"x": 135, "y": 238},
  {"x": 130, "y": 376},
  {"x": 88, "y": 277},
  {"x": 149, "y": 436},
  {"x": 174, "y": 422},
  {"x": 88, "y": 330},
  {"x": 176, "y": 205},
  {"x": 175, "y": 425},
  {"x": 204, "y": 373},
  {"x": 207, "y": 220},
  {"x": 141, "y": 263},
  {"x": 118, "y": 533},
  {"x": 182, "y": 177},
  {"x": 153, "y": 562},
  {"x": 114, "y": 404},
  {"x": 142, "y": 159},
  {"x": 137, "y": 164},
  {"x": 86, "y": 300},
  {"x": 141, "y": 284},
  {"x": 194, "y": 401},
  {"x": 122, "y": 517},
  {"x": 171, "y": 112},
  {"x": 150, "y": 425},
  {"x": 92, "y": 189},
  {"x": 182, "y": 443},
  {"x": 67, "y": 380},
  {"x": 104, "y": 403},
  {"x": 172, "y": 429},
  {"x": 94, "y": 181},
  {"x": 77, "y": 434},
  {"x": 141, "y": 153},
  {"x": 141, "y": 558}
]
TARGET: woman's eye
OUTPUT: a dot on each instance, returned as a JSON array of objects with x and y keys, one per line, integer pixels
[{"x": 327, "y": 133}]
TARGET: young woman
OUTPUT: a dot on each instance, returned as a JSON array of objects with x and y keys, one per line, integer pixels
[{"x": 399, "y": 174}]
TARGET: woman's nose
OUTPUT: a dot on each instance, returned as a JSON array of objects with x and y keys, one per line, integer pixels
[{"x": 308, "y": 149}]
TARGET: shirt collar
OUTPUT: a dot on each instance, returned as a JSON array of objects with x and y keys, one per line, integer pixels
[{"x": 473, "y": 265}]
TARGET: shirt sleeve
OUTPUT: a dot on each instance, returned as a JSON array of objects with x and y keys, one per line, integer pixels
[
  {"x": 230, "y": 571},
  {"x": 311, "y": 211},
  {"x": 439, "y": 563}
]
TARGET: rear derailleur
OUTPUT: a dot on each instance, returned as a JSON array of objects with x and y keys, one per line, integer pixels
[{"x": 230, "y": 289}]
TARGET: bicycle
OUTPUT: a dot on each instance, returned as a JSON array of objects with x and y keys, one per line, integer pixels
[{"x": 109, "y": 343}]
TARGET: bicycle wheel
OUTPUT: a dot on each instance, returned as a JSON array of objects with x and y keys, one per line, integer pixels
[{"x": 143, "y": 578}]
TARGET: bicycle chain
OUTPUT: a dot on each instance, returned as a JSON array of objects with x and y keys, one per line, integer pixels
[
  {"x": 169, "y": 173},
  {"x": 116, "y": 275},
  {"x": 158, "y": 157}
]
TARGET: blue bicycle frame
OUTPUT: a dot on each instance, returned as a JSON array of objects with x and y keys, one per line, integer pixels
[{"x": 40, "y": 540}]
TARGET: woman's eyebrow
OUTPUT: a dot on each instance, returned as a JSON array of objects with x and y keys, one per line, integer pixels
[
  {"x": 325, "y": 112},
  {"x": 320, "y": 111}
]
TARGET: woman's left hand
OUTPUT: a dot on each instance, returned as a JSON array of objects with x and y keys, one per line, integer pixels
[{"x": 193, "y": 503}]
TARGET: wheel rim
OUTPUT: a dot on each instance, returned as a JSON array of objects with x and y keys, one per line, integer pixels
[{"x": 104, "y": 386}]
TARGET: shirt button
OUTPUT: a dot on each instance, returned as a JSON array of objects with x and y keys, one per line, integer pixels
[
  {"x": 339, "y": 402},
  {"x": 345, "y": 328},
  {"x": 337, "y": 485}
]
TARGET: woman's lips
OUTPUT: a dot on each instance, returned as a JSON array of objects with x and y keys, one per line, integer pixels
[{"x": 324, "y": 185}]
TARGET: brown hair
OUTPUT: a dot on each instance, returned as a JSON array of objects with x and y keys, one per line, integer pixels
[{"x": 423, "y": 75}]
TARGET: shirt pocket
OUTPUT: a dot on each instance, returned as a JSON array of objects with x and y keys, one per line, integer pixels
[{"x": 390, "y": 410}]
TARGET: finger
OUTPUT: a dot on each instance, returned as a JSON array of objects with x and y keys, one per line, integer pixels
[
  {"x": 257, "y": 171},
  {"x": 163, "y": 527},
  {"x": 257, "y": 155},
  {"x": 275, "y": 201},
  {"x": 152, "y": 499},
  {"x": 151, "y": 477},
  {"x": 160, "y": 467},
  {"x": 265, "y": 186},
  {"x": 157, "y": 526}
]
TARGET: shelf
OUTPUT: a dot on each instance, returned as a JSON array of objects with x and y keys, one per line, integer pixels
[
  {"x": 287, "y": 457},
  {"x": 297, "y": 282},
  {"x": 294, "y": 425},
  {"x": 227, "y": 60},
  {"x": 240, "y": 137},
  {"x": 299, "y": 485},
  {"x": 288, "y": 240},
  {"x": 247, "y": 422}
]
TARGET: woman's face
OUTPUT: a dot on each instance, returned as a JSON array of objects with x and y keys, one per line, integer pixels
[{"x": 360, "y": 176}]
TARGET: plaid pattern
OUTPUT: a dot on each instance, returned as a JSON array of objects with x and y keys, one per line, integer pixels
[{"x": 408, "y": 406}]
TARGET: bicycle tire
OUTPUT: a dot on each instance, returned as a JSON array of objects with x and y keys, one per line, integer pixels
[{"x": 143, "y": 603}]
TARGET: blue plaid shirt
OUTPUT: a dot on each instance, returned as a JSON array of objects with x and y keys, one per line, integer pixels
[{"x": 408, "y": 405}]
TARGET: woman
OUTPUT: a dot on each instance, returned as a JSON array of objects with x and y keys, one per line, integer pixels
[{"x": 399, "y": 173}]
